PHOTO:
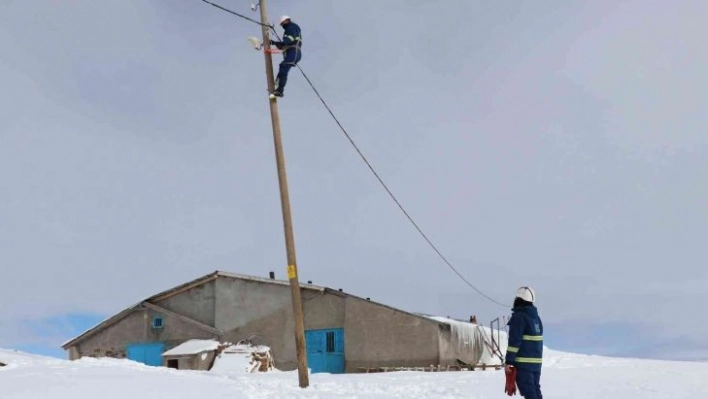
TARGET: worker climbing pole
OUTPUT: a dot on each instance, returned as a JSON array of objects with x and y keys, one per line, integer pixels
[{"x": 291, "y": 46}]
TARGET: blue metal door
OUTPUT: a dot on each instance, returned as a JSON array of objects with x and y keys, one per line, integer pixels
[
  {"x": 325, "y": 350},
  {"x": 150, "y": 353}
]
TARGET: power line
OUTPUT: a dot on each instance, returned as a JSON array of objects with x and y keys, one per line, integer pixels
[
  {"x": 393, "y": 197},
  {"x": 237, "y": 14},
  {"x": 371, "y": 168}
]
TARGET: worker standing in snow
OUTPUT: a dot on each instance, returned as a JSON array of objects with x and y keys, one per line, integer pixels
[
  {"x": 292, "y": 52},
  {"x": 524, "y": 354}
]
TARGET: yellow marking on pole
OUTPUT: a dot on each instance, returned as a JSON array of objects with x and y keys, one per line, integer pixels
[{"x": 291, "y": 272}]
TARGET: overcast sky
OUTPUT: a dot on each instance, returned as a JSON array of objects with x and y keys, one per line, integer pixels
[{"x": 556, "y": 144}]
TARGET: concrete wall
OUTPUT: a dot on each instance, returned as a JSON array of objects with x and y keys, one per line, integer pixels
[
  {"x": 377, "y": 336},
  {"x": 74, "y": 353},
  {"x": 323, "y": 310},
  {"x": 277, "y": 328},
  {"x": 240, "y": 302},
  {"x": 136, "y": 328},
  {"x": 111, "y": 341},
  {"x": 202, "y": 361},
  {"x": 197, "y": 303},
  {"x": 374, "y": 335}
]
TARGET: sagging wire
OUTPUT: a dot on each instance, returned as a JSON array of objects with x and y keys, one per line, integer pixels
[{"x": 368, "y": 164}]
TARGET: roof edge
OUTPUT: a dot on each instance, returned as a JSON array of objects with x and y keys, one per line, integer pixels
[
  {"x": 346, "y": 294},
  {"x": 265, "y": 280},
  {"x": 125, "y": 312},
  {"x": 100, "y": 326},
  {"x": 176, "y": 290},
  {"x": 213, "y": 276}
]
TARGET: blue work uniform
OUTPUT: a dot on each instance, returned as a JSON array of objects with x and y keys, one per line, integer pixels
[
  {"x": 525, "y": 350},
  {"x": 292, "y": 53}
]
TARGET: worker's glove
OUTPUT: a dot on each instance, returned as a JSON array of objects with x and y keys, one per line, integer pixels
[{"x": 510, "y": 387}]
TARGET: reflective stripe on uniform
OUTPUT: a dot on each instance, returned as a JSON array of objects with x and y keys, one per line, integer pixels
[
  {"x": 532, "y": 337},
  {"x": 296, "y": 43},
  {"x": 536, "y": 360},
  {"x": 512, "y": 349}
]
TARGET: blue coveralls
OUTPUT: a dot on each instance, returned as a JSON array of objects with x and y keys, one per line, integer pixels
[
  {"x": 525, "y": 351},
  {"x": 292, "y": 53}
]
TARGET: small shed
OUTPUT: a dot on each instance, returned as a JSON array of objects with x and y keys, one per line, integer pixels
[{"x": 195, "y": 354}]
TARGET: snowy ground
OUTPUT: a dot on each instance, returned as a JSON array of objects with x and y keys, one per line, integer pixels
[{"x": 565, "y": 376}]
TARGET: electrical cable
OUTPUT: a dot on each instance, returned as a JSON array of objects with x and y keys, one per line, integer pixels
[
  {"x": 237, "y": 14},
  {"x": 393, "y": 197},
  {"x": 371, "y": 168}
]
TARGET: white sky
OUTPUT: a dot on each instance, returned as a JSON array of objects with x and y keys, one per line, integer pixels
[{"x": 550, "y": 144}]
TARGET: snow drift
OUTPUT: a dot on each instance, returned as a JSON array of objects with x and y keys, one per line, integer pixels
[{"x": 565, "y": 375}]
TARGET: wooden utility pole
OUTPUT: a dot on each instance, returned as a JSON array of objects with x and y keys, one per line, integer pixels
[{"x": 303, "y": 376}]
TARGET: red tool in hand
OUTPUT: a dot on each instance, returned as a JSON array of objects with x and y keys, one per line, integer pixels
[{"x": 510, "y": 388}]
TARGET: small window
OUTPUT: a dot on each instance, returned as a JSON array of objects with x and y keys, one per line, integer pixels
[
  {"x": 173, "y": 364},
  {"x": 157, "y": 322},
  {"x": 330, "y": 341}
]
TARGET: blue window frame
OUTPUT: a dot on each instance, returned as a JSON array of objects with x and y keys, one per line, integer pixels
[{"x": 157, "y": 322}]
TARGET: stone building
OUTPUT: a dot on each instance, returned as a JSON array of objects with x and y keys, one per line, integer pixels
[{"x": 343, "y": 332}]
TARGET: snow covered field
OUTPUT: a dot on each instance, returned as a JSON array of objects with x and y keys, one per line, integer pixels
[{"x": 565, "y": 376}]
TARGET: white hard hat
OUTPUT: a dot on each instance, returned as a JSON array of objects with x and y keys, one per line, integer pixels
[
  {"x": 283, "y": 19},
  {"x": 526, "y": 293}
]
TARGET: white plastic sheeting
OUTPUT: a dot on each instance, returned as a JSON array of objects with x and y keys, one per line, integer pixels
[{"x": 474, "y": 343}]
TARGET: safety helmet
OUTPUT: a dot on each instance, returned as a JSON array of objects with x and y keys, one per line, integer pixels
[
  {"x": 283, "y": 19},
  {"x": 526, "y": 293}
]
